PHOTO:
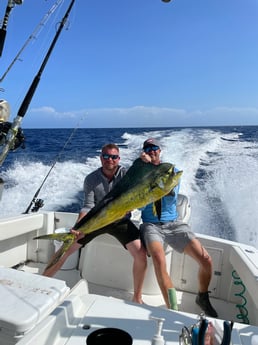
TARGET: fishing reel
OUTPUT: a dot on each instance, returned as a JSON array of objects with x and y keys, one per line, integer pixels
[
  {"x": 38, "y": 203},
  {"x": 5, "y": 127},
  {"x": 195, "y": 334},
  {"x": 203, "y": 332}
]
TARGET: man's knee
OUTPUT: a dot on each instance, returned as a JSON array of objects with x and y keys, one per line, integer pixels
[
  {"x": 158, "y": 256},
  {"x": 206, "y": 260}
]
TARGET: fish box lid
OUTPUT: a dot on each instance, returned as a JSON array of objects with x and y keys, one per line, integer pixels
[{"x": 26, "y": 298}]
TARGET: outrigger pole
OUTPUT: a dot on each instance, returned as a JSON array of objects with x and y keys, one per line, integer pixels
[
  {"x": 8, "y": 10},
  {"x": 32, "y": 36},
  {"x": 27, "y": 99}
]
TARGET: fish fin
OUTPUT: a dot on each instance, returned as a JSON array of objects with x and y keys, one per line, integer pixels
[
  {"x": 154, "y": 210},
  {"x": 157, "y": 208},
  {"x": 64, "y": 237}
]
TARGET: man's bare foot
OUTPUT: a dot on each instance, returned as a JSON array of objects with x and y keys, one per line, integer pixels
[{"x": 137, "y": 300}]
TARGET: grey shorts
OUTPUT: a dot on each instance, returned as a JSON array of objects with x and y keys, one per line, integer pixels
[{"x": 177, "y": 234}]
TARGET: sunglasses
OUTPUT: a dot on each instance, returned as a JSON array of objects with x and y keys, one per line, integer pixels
[
  {"x": 107, "y": 156},
  {"x": 150, "y": 148}
]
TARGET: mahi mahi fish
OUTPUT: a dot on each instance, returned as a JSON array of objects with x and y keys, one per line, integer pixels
[{"x": 143, "y": 183}]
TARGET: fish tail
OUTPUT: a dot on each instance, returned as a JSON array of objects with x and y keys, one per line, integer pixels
[{"x": 68, "y": 239}]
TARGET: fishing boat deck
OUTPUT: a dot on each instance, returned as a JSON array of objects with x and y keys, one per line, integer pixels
[
  {"x": 82, "y": 313},
  {"x": 101, "y": 276}
]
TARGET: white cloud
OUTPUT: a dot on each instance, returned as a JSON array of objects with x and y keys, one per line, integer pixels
[
  {"x": 48, "y": 110},
  {"x": 142, "y": 116},
  {"x": 45, "y": 109}
]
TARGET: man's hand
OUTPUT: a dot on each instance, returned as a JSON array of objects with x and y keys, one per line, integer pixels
[
  {"x": 77, "y": 233},
  {"x": 145, "y": 158}
]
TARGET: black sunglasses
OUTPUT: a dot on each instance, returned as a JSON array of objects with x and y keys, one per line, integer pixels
[
  {"x": 107, "y": 156},
  {"x": 150, "y": 148}
]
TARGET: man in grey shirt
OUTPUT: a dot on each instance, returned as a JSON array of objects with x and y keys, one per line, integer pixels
[{"x": 96, "y": 185}]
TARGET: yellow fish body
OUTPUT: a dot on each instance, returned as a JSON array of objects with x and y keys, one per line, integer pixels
[{"x": 143, "y": 183}]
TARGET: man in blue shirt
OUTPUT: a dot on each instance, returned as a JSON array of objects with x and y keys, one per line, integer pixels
[{"x": 161, "y": 226}]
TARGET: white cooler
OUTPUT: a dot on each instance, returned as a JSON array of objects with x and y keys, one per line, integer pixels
[{"x": 26, "y": 299}]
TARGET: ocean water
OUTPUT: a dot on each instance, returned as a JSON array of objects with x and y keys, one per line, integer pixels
[{"x": 220, "y": 175}]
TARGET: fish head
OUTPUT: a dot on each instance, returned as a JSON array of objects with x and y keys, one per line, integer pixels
[{"x": 167, "y": 177}]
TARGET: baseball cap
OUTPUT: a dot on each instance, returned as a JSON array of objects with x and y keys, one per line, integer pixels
[{"x": 151, "y": 142}]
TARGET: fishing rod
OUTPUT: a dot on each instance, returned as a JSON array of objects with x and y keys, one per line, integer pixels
[
  {"x": 27, "y": 99},
  {"x": 9, "y": 7},
  {"x": 32, "y": 36},
  {"x": 38, "y": 203}
]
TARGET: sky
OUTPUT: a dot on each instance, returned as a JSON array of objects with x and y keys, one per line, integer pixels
[{"x": 133, "y": 63}]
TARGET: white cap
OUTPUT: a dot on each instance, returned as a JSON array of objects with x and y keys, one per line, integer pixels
[{"x": 4, "y": 110}]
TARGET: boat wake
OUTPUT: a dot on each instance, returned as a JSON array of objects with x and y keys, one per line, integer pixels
[{"x": 220, "y": 178}]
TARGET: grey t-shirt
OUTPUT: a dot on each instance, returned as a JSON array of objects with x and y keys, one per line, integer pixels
[{"x": 96, "y": 186}]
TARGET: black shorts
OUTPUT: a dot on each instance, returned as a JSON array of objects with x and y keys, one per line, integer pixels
[{"x": 124, "y": 231}]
